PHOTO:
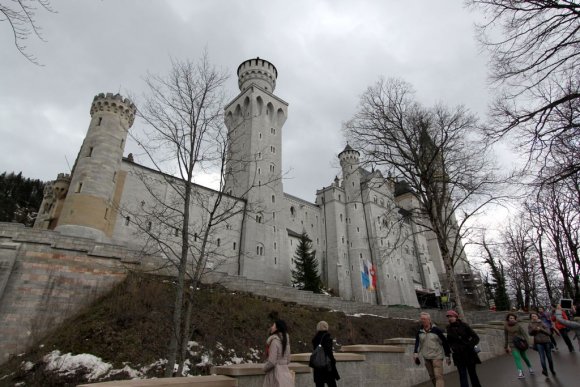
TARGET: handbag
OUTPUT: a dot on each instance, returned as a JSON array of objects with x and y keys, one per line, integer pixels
[
  {"x": 318, "y": 358},
  {"x": 520, "y": 343}
]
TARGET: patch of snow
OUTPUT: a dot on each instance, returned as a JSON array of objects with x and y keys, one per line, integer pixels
[
  {"x": 133, "y": 373},
  {"x": 192, "y": 344},
  {"x": 204, "y": 361},
  {"x": 219, "y": 346},
  {"x": 27, "y": 366},
  {"x": 68, "y": 363},
  {"x": 237, "y": 360},
  {"x": 159, "y": 363},
  {"x": 19, "y": 384}
]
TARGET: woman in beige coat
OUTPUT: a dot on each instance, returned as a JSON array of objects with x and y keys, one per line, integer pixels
[{"x": 278, "y": 351}]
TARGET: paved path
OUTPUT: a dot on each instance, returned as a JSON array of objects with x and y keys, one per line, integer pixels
[{"x": 501, "y": 371}]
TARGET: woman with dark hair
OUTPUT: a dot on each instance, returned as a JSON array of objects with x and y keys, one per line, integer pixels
[
  {"x": 323, "y": 338},
  {"x": 462, "y": 340},
  {"x": 514, "y": 333},
  {"x": 278, "y": 351},
  {"x": 542, "y": 343}
]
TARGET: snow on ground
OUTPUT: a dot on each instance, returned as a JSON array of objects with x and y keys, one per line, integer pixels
[{"x": 68, "y": 363}]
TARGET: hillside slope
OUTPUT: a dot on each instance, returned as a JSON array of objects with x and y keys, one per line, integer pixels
[{"x": 125, "y": 334}]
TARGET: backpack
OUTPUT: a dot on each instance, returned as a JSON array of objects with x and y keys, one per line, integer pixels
[
  {"x": 318, "y": 358},
  {"x": 520, "y": 343}
]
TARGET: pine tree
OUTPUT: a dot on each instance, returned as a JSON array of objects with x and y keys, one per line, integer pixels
[
  {"x": 20, "y": 198},
  {"x": 305, "y": 275}
]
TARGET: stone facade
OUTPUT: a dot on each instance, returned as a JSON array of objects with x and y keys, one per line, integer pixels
[{"x": 368, "y": 251}]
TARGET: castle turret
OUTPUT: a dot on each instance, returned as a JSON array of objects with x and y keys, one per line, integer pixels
[
  {"x": 88, "y": 209},
  {"x": 258, "y": 72},
  {"x": 253, "y": 171},
  {"x": 359, "y": 253}
]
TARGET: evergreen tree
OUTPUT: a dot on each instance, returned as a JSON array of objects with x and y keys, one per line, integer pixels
[
  {"x": 305, "y": 276},
  {"x": 20, "y": 198}
]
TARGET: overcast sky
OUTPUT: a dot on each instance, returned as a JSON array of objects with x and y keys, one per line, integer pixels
[{"x": 326, "y": 52}]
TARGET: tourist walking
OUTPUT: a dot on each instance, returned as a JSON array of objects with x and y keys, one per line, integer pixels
[
  {"x": 565, "y": 324},
  {"x": 546, "y": 317},
  {"x": 542, "y": 344},
  {"x": 516, "y": 343},
  {"x": 278, "y": 351},
  {"x": 462, "y": 341},
  {"x": 324, "y": 376},
  {"x": 559, "y": 318},
  {"x": 432, "y": 345}
]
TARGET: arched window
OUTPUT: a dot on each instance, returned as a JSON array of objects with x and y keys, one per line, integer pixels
[
  {"x": 219, "y": 242},
  {"x": 273, "y": 199},
  {"x": 292, "y": 210}
]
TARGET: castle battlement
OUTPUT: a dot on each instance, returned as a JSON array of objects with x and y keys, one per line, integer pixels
[
  {"x": 114, "y": 103},
  {"x": 259, "y": 72}
]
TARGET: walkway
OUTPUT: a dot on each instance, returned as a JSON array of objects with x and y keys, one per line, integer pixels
[{"x": 501, "y": 371}]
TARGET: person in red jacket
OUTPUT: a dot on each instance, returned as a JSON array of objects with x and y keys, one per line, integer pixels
[{"x": 561, "y": 328}]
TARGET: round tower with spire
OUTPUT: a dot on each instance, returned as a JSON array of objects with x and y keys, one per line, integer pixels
[{"x": 88, "y": 209}]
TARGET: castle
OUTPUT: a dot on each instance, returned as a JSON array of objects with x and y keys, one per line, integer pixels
[{"x": 367, "y": 247}]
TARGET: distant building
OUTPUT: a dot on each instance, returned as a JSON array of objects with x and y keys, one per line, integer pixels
[{"x": 368, "y": 247}]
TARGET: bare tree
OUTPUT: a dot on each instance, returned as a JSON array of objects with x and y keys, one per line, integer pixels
[
  {"x": 535, "y": 62},
  {"x": 436, "y": 151},
  {"x": 21, "y": 16},
  {"x": 184, "y": 135}
]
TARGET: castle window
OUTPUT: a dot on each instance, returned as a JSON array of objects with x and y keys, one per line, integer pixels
[
  {"x": 353, "y": 183},
  {"x": 142, "y": 203},
  {"x": 360, "y": 255},
  {"x": 259, "y": 250},
  {"x": 275, "y": 245},
  {"x": 234, "y": 246},
  {"x": 272, "y": 168},
  {"x": 382, "y": 202},
  {"x": 122, "y": 142},
  {"x": 114, "y": 176},
  {"x": 292, "y": 210},
  {"x": 258, "y": 218},
  {"x": 148, "y": 228},
  {"x": 355, "y": 206},
  {"x": 339, "y": 197},
  {"x": 273, "y": 215},
  {"x": 311, "y": 225},
  {"x": 382, "y": 241},
  {"x": 219, "y": 242},
  {"x": 90, "y": 152},
  {"x": 176, "y": 232},
  {"x": 100, "y": 120},
  {"x": 80, "y": 187},
  {"x": 341, "y": 217},
  {"x": 127, "y": 220},
  {"x": 260, "y": 135},
  {"x": 259, "y": 171},
  {"x": 273, "y": 149},
  {"x": 259, "y": 156},
  {"x": 272, "y": 130},
  {"x": 195, "y": 237},
  {"x": 374, "y": 199},
  {"x": 358, "y": 229},
  {"x": 342, "y": 238},
  {"x": 273, "y": 199}
]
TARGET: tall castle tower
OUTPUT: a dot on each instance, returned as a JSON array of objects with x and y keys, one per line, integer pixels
[
  {"x": 359, "y": 251},
  {"x": 89, "y": 209},
  {"x": 254, "y": 120}
]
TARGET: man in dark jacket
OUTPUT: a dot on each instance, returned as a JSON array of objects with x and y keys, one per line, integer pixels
[{"x": 462, "y": 340}]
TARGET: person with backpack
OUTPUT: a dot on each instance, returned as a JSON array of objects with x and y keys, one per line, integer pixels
[
  {"x": 516, "y": 343},
  {"x": 324, "y": 375},
  {"x": 431, "y": 343},
  {"x": 462, "y": 340},
  {"x": 541, "y": 334}
]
